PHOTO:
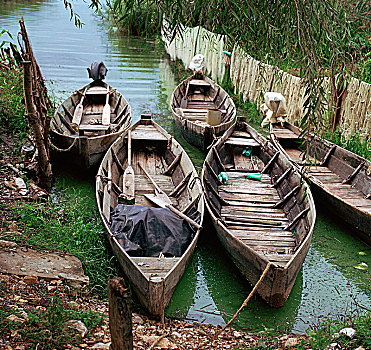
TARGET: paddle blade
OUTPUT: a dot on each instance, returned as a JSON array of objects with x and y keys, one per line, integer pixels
[
  {"x": 161, "y": 200},
  {"x": 77, "y": 115},
  {"x": 128, "y": 186},
  {"x": 106, "y": 116}
]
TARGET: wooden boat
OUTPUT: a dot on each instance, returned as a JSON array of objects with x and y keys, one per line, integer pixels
[
  {"x": 85, "y": 142},
  {"x": 259, "y": 222},
  {"x": 338, "y": 177},
  {"x": 202, "y": 110},
  {"x": 159, "y": 155}
]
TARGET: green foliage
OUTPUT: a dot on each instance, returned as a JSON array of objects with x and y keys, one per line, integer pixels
[
  {"x": 353, "y": 144},
  {"x": 69, "y": 222},
  {"x": 12, "y": 106},
  {"x": 137, "y": 17}
]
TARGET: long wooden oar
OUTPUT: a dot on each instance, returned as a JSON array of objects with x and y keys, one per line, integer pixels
[
  {"x": 128, "y": 185},
  {"x": 106, "y": 115},
  {"x": 162, "y": 200},
  {"x": 184, "y": 102},
  {"x": 77, "y": 114}
]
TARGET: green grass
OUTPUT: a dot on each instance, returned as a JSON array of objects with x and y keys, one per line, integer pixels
[
  {"x": 68, "y": 222},
  {"x": 353, "y": 144},
  {"x": 12, "y": 106}
]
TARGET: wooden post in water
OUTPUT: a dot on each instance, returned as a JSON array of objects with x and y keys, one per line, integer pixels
[{"x": 120, "y": 322}]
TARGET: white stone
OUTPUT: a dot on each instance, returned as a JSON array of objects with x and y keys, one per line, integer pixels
[
  {"x": 349, "y": 332},
  {"x": 78, "y": 326},
  {"x": 101, "y": 346}
]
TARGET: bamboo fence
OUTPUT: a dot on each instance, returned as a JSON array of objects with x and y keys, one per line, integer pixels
[{"x": 252, "y": 79}]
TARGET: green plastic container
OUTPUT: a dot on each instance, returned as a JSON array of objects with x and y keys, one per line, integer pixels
[
  {"x": 254, "y": 176},
  {"x": 247, "y": 151},
  {"x": 223, "y": 177}
]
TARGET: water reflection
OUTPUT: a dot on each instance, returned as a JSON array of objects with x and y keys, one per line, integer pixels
[{"x": 211, "y": 289}]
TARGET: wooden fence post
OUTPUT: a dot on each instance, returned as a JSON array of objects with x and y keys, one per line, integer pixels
[{"x": 120, "y": 322}]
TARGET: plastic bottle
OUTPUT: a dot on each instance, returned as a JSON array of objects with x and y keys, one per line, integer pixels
[
  {"x": 247, "y": 151},
  {"x": 254, "y": 176}
]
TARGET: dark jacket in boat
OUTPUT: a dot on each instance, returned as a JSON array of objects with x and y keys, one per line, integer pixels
[{"x": 147, "y": 231}]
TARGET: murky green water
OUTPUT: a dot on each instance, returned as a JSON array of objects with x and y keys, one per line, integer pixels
[{"x": 211, "y": 289}]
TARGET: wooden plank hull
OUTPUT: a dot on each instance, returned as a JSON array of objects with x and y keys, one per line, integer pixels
[
  {"x": 191, "y": 116},
  {"x": 259, "y": 222},
  {"x": 86, "y": 149},
  {"x": 338, "y": 177},
  {"x": 152, "y": 278}
]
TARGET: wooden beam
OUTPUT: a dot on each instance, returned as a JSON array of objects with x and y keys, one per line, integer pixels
[
  {"x": 296, "y": 219},
  {"x": 117, "y": 104},
  {"x": 282, "y": 177},
  {"x": 286, "y": 197},
  {"x": 216, "y": 193},
  {"x": 181, "y": 186},
  {"x": 218, "y": 159},
  {"x": 224, "y": 99},
  {"x": 67, "y": 111},
  {"x": 173, "y": 164},
  {"x": 208, "y": 165},
  {"x": 117, "y": 161},
  {"x": 270, "y": 162},
  {"x": 120, "y": 114},
  {"x": 354, "y": 173},
  {"x": 66, "y": 123},
  {"x": 191, "y": 204},
  {"x": 328, "y": 154}
]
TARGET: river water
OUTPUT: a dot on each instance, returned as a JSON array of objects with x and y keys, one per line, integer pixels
[{"x": 211, "y": 289}]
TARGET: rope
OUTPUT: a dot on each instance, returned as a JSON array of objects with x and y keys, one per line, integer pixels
[
  {"x": 63, "y": 150},
  {"x": 242, "y": 306}
]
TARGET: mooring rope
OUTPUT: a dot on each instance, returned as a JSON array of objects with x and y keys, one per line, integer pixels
[
  {"x": 63, "y": 150},
  {"x": 241, "y": 307}
]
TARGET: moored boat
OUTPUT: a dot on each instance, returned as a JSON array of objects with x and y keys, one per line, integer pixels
[
  {"x": 202, "y": 110},
  {"x": 153, "y": 245},
  {"x": 338, "y": 177},
  {"x": 77, "y": 129},
  {"x": 263, "y": 213}
]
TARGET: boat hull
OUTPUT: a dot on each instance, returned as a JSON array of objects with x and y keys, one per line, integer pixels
[
  {"x": 153, "y": 279},
  {"x": 85, "y": 150},
  {"x": 259, "y": 222},
  {"x": 337, "y": 177}
]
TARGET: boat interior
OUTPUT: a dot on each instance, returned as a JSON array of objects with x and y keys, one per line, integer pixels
[
  {"x": 338, "y": 170},
  {"x": 271, "y": 215},
  {"x": 197, "y": 95},
  {"x": 152, "y": 152},
  {"x": 93, "y": 99}
]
